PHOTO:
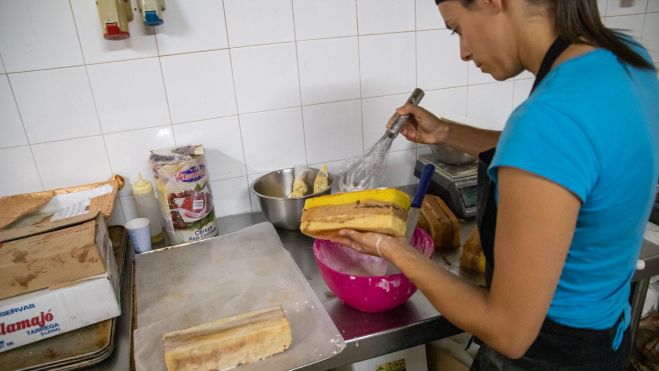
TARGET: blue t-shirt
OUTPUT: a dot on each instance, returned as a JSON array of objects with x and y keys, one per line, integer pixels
[{"x": 592, "y": 127}]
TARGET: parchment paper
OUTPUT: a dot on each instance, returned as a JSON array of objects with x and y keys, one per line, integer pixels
[{"x": 190, "y": 284}]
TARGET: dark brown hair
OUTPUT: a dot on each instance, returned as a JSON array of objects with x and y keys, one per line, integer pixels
[{"x": 578, "y": 21}]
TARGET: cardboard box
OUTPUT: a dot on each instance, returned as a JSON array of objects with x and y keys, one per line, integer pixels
[
  {"x": 53, "y": 255},
  {"x": 407, "y": 359},
  {"x": 449, "y": 355},
  {"x": 42, "y": 208},
  {"x": 31, "y": 317}
]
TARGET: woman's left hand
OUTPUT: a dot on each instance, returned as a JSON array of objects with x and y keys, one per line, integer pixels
[{"x": 370, "y": 243}]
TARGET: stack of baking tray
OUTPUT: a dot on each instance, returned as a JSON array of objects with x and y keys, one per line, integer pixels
[{"x": 75, "y": 349}]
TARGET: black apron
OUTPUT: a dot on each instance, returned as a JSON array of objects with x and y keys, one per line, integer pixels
[{"x": 557, "y": 347}]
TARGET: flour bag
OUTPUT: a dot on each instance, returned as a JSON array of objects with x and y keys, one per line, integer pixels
[{"x": 184, "y": 192}]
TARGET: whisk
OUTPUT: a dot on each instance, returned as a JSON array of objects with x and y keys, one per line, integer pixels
[{"x": 367, "y": 171}]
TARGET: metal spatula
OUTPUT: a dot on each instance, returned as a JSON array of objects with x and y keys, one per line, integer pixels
[{"x": 415, "y": 209}]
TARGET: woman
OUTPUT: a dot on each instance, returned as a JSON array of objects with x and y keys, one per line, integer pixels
[{"x": 563, "y": 198}]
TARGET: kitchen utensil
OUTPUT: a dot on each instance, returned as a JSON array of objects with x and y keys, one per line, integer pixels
[
  {"x": 417, "y": 201},
  {"x": 272, "y": 190},
  {"x": 415, "y": 209},
  {"x": 349, "y": 274},
  {"x": 186, "y": 285},
  {"x": 366, "y": 171}
]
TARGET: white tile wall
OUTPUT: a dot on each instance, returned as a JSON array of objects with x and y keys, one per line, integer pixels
[
  {"x": 128, "y": 152},
  {"x": 133, "y": 99},
  {"x": 380, "y": 16},
  {"x": 521, "y": 91},
  {"x": 651, "y": 35},
  {"x": 376, "y": 114},
  {"x": 192, "y": 27},
  {"x": 490, "y": 104},
  {"x": 428, "y": 16},
  {"x": 625, "y": 7},
  {"x": 222, "y": 142},
  {"x": 199, "y": 85},
  {"x": 329, "y": 70},
  {"x": 21, "y": 170},
  {"x": 387, "y": 64},
  {"x": 273, "y": 140},
  {"x": 317, "y": 19},
  {"x": 231, "y": 196},
  {"x": 273, "y": 17},
  {"x": 72, "y": 162},
  {"x": 437, "y": 65},
  {"x": 142, "y": 42},
  {"x": 11, "y": 125},
  {"x": 55, "y": 104},
  {"x": 38, "y": 34},
  {"x": 266, "y": 77},
  {"x": 333, "y": 131},
  {"x": 629, "y": 24},
  {"x": 263, "y": 84},
  {"x": 446, "y": 101},
  {"x": 653, "y": 6}
]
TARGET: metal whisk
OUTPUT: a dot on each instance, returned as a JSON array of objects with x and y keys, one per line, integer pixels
[{"x": 367, "y": 171}]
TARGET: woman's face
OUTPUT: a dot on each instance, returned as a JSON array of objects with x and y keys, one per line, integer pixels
[{"x": 485, "y": 36}]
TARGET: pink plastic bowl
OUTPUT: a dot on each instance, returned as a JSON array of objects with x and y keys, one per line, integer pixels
[{"x": 359, "y": 280}]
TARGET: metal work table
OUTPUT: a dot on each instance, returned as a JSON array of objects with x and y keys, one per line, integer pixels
[{"x": 367, "y": 335}]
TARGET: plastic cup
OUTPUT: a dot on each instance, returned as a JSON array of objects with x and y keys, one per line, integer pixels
[{"x": 139, "y": 234}]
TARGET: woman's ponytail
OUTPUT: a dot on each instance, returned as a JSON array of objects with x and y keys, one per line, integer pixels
[{"x": 579, "y": 21}]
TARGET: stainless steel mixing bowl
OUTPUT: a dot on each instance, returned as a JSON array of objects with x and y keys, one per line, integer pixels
[
  {"x": 272, "y": 190},
  {"x": 450, "y": 155}
]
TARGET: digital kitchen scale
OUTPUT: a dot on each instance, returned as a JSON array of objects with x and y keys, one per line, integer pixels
[{"x": 455, "y": 184}]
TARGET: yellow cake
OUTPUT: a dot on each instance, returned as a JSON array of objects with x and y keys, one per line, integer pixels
[{"x": 382, "y": 210}]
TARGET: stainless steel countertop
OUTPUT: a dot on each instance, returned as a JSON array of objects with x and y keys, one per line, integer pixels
[{"x": 367, "y": 335}]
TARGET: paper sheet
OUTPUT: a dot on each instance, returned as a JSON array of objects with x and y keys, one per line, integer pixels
[{"x": 186, "y": 285}]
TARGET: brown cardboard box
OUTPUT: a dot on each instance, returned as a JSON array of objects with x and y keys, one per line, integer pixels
[
  {"x": 441, "y": 358},
  {"x": 52, "y": 255},
  {"x": 39, "y": 208}
]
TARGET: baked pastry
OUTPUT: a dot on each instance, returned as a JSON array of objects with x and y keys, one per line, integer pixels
[
  {"x": 472, "y": 256},
  {"x": 440, "y": 222},
  {"x": 228, "y": 342},
  {"x": 381, "y": 210}
]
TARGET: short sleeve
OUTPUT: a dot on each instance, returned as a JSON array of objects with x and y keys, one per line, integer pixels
[{"x": 546, "y": 142}]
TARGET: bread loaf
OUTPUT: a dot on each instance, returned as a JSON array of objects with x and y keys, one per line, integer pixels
[
  {"x": 227, "y": 342},
  {"x": 472, "y": 254},
  {"x": 440, "y": 222}
]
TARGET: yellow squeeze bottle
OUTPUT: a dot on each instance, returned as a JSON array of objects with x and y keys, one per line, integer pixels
[{"x": 147, "y": 206}]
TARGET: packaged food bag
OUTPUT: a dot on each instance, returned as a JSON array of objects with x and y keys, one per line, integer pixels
[{"x": 184, "y": 192}]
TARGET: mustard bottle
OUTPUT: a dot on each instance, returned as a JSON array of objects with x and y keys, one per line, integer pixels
[{"x": 147, "y": 207}]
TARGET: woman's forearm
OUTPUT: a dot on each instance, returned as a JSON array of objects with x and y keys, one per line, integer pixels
[{"x": 469, "y": 139}]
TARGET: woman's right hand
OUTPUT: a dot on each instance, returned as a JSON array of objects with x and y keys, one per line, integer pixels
[{"x": 423, "y": 126}]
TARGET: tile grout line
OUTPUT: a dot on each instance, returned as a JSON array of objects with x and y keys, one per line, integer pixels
[
  {"x": 91, "y": 91},
  {"x": 359, "y": 70},
  {"x": 164, "y": 85},
  {"x": 299, "y": 86},
  {"x": 29, "y": 145},
  {"x": 243, "y": 114},
  {"x": 235, "y": 95}
]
